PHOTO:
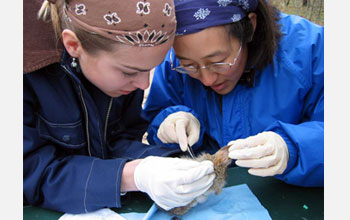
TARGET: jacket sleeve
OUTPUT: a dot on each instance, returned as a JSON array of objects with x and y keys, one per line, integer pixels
[
  {"x": 55, "y": 179},
  {"x": 305, "y": 140},
  {"x": 166, "y": 96}
]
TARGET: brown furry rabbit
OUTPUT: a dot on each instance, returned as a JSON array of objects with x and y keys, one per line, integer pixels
[{"x": 220, "y": 160}]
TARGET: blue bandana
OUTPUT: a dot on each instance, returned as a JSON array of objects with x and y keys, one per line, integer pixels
[{"x": 195, "y": 15}]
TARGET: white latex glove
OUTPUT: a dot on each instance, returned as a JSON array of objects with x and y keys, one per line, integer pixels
[
  {"x": 173, "y": 182},
  {"x": 200, "y": 199},
  {"x": 179, "y": 127},
  {"x": 204, "y": 197},
  {"x": 265, "y": 153}
]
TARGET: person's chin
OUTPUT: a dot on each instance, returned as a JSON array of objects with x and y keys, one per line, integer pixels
[
  {"x": 114, "y": 94},
  {"x": 221, "y": 92}
]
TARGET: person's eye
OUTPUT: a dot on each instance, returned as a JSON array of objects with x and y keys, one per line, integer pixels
[
  {"x": 218, "y": 61},
  {"x": 130, "y": 74},
  {"x": 189, "y": 66},
  {"x": 217, "y": 64}
]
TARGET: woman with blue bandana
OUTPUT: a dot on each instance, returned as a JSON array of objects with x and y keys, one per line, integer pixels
[{"x": 243, "y": 74}]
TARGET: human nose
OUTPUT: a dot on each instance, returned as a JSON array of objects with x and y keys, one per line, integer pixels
[
  {"x": 207, "y": 77},
  {"x": 142, "y": 81}
]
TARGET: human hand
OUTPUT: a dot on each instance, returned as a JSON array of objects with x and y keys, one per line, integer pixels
[
  {"x": 173, "y": 182},
  {"x": 265, "y": 153},
  {"x": 179, "y": 127}
]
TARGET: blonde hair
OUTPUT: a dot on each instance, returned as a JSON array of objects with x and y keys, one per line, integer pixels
[
  {"x": 49, "y": 10},
  {"x": 90, "y": 42}
]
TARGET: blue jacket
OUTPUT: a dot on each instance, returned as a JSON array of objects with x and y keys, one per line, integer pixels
[
  {"x": 72, "y": 160},
  {"x": 287, "y": 98}
]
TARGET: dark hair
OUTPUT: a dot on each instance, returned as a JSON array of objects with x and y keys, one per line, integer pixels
[{"x": 264, "y": 42}]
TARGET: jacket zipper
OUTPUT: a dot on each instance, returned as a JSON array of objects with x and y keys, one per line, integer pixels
[
  {"x": 87, "y": 120},
  {"x": 85, "y": 111},
  {"x": 107, "y": 117}
]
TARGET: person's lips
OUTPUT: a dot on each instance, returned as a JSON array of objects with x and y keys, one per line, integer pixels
[
  {"x": 125, "y": 92},
  {"x": 219, "y": 86}
]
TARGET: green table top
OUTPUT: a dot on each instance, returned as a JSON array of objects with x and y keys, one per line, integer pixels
[{"x": 281, "y": 200}]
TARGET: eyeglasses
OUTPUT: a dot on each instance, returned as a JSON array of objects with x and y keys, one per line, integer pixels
[{"x": 213, "y": 67}]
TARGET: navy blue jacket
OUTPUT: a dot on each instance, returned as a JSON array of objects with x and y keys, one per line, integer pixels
[{"x": 77, "y": 140}]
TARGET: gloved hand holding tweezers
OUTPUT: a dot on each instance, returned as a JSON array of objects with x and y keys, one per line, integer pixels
[{"x": 182, "y": 128}]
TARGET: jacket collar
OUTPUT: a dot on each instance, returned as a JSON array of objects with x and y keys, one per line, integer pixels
[
  {"x": 248, "y": 77},
  {"x": 74, "y": 72}
]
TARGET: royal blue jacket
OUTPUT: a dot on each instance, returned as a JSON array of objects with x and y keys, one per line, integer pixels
[
  {"x": 77, "y": 140},
  {"x": 287, "y": 98}
]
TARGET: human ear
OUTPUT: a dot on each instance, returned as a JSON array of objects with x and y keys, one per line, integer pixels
[
  {"x": 252, "y": 17},
  {"x": 71, "y": 43}
]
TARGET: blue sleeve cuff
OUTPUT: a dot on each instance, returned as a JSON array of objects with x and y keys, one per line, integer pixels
[
  {"x": 103, "y": 184},
  {"x": 293, "y": 154},
  {"x": 305, "y": 145}
]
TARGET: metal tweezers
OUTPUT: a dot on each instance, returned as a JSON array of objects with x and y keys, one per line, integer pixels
[{"x": 189, "y": 149}]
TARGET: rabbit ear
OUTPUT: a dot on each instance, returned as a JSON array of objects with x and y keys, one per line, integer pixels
[
  {"x": 225, "y": 149},
  {"x": 221, "y": 157}
]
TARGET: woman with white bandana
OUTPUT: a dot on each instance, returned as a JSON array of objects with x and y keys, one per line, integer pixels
[
  {"x": 81, "y": 122},
  {"x": 245, "y": 75}
]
